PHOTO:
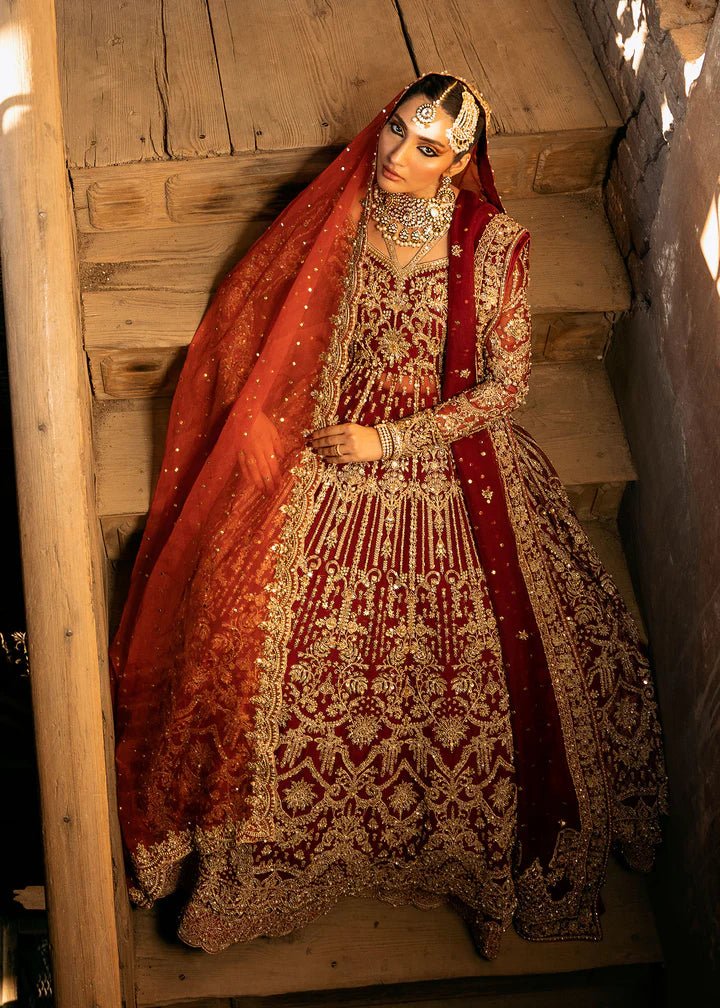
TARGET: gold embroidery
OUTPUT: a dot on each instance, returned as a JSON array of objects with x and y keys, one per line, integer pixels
[
  {"x": 503, "y": 345},
  {"x": 444, "y": 822},
  {"x": 395, "y": 774},
  {"x": 564, "y": 575}
]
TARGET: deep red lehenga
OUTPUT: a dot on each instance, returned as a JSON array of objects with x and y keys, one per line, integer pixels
[{"x": 410, "y": 678}]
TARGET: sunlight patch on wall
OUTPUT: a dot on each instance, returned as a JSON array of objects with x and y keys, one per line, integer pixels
[
  {"x": 668, "y": 119},
  {"x": 633, "y": 46},
  {"x": 15, "y": 83},
  {"x": 691, "y": 72},
  {"x": 710, "y": 238}
]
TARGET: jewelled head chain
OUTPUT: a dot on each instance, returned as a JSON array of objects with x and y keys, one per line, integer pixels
[{"x": 461, "y": 133}]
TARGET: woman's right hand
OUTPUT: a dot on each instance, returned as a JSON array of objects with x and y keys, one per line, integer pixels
[{"x": 260, "y": 455}]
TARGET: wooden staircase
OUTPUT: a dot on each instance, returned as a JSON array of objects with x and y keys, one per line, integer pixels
[{"x": 188, "y": 126}]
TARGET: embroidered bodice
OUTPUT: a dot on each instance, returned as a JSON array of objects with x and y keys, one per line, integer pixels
[{"x": 398, "y": 345}]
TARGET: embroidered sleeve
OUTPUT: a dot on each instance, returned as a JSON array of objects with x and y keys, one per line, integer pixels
[{"x": 505, "y": 356}]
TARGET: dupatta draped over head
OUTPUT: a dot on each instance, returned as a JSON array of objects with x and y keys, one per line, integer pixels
[{"x": 198, "y": 684}]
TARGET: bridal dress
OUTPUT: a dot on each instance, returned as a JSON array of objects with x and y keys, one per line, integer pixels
[{"x": 409, "y": 678}]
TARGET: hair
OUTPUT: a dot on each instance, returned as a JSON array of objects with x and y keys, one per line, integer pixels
[{"x": 433, "y": 86}]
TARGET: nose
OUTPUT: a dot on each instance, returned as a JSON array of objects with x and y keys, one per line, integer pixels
[{"x": 397, "y": 153}]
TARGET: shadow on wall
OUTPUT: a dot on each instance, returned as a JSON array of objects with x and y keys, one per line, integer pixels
[{"x": 662, "y": 62}]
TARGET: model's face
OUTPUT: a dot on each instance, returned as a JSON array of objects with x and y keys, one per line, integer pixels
[{"x": 412, "y": 158}]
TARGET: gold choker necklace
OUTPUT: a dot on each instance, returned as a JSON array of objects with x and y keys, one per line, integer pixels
[{"x": 412, "y": 220}]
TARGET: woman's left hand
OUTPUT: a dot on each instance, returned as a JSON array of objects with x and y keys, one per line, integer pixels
[{"x": 347, "y": 442}]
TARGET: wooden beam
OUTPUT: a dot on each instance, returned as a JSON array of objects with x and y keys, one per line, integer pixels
[
  {"x": 59, "y": 528},
  {"x": 362, "y": 942}
]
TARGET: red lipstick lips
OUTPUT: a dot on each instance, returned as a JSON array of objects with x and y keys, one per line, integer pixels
[{"x": 391, "y": 174}]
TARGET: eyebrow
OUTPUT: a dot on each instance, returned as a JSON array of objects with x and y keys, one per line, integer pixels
[{"x": 433, "y": 143}]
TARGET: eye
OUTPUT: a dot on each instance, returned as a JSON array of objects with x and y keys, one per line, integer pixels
[{"x": 397, "y": 129}]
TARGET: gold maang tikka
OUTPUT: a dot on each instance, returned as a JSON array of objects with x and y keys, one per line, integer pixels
[{"x": 462, "y": 132}]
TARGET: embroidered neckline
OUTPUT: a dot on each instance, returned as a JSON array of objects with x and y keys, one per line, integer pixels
[{"x": 404, "y": 272}]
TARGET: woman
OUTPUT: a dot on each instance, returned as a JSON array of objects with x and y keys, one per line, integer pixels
[{"x": 368, "y": 648}]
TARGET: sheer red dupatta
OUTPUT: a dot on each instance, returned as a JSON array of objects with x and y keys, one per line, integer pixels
[{"x": 193, "y": 733}]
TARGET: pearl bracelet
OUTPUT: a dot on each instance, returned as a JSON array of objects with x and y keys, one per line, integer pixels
[
  {"x": 390, "y": 440},
  {"x": 386, "y": 440}
]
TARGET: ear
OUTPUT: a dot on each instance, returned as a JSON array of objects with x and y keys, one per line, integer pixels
[{"x": 458, "y": 166}]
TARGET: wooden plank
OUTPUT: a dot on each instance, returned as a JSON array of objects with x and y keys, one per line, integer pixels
[
  {"x": 162, "y": 80},
  {"x": 142, "y": 319},
  {"x": 570, "y": 410},
  {"x": 363, "y": 942},
  {"x": 111, "y": 103},
  {"x": 575, "y": 265},
  {"x": 163, "y": 194},
  {"x": 560, "y": 161},
  {"x": 127, "y": 374},
  {"x": 121, "y": 534},
  {"x": 188, "y": 80},
  {"x": 62, "y": 555},
  {"x": 220, "y": 241},
  {"x": 146, "y": 290},
  {"x": 129, "y": 440},
  {"x": 249, "y": 186},
  {"x": 560, "y": 85},
  {"x": 576, "y": 335},
  {"x": 635, "y": 986},
  {"x": 8, "y": 963},
  {"x": 299, "y": 74},
  {"x": 30, "y": 898},
  {"x": 140, "y": 81}
]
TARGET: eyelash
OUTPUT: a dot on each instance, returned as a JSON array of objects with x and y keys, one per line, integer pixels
[{"x": 422, "y": 149}]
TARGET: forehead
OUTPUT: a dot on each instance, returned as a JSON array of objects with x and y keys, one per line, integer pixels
[{"x": 436, "y": 129}]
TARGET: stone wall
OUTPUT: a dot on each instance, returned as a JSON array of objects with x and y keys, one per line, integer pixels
[
  {"x": 650, "y": 54},
  {"x": 663, "y": 200}
]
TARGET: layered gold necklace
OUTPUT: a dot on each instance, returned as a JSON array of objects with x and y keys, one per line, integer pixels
[{"x": 413, "y": 221}]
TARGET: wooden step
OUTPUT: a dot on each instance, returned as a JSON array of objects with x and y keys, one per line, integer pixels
[
  {"x": 570, "y": 410},
  {"x": 365, "y": 942},
  {"x": 636, "y": 986},
  {"x": 144, "y": 291},
  {"x": 148, "y": 80}
]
